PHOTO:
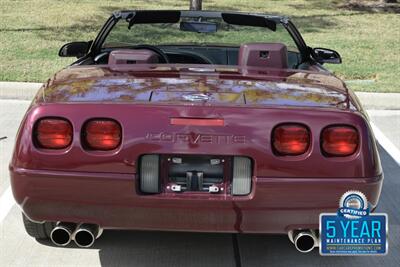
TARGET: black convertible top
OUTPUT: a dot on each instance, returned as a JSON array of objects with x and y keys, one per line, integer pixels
[{"x": 173, "y": 16}]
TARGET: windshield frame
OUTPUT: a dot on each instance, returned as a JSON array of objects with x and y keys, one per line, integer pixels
[{"x": 171, "y": 16}]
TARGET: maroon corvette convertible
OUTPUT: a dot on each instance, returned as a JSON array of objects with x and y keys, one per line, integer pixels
[{"x": 192, "y": 121}]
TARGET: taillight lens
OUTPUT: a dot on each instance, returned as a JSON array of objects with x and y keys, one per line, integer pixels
[
  {"x": 339, "y": 141},
  {"x": 53, "y": 133},
  {"x": 102, "y": 134},
  {"x": 290, "y": 139}
]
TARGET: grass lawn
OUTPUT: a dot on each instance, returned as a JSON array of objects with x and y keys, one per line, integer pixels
[{"x": 31, "y": 32}]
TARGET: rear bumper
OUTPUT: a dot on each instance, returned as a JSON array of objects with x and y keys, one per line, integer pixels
[{"x": 275, "y": 205}]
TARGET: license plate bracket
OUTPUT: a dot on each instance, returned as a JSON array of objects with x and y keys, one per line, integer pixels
[{"x": 196, "y": 173}]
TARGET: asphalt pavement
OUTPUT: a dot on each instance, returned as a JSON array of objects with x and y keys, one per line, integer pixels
[{"x": 135, "y": 248}]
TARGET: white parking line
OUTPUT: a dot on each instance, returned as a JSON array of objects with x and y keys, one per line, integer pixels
[
  {"x": 6, "y": 203},
  {"x": 386, "y": 143}
]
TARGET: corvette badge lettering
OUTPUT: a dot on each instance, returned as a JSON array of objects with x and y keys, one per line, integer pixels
[{"x": 193, "y": 138}]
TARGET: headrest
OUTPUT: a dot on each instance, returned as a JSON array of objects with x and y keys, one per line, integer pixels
[
  {"x": 132, "y": 56},
  {"x": 271, "y": 55}
]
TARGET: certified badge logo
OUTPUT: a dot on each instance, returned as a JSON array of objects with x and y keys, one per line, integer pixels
[
  {"x": 353, "y": 205},
  {"x": 353, "y": 230}
]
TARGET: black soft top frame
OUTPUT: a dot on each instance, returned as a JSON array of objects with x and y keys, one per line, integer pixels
[{"x": 174, "y": 16}]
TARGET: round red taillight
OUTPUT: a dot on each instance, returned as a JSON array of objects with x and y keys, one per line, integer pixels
[
  {"x": 53, "y": 133},
  {"x": 339, "y": 141},
  {"x": 102, "y": 134},
  {"x": 290, "y": 139}
]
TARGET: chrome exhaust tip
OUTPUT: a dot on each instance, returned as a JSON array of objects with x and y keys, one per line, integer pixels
[
  {"x": 304, "y": 240},
  {"x": 85, "y": 235},
  {"x": 62, "y": 233}
]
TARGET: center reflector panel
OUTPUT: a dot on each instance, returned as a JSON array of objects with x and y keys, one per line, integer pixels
[{"x": 197, "y": 122}]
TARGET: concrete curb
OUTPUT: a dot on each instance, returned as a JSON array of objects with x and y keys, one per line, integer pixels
[
  {"x": 379, "y": 100},
  {"x": 26, "y": 91},
  {"x": 18, "y": 90}
]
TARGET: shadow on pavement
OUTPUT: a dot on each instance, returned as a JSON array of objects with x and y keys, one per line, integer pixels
[{"x": 123, "y": 248}]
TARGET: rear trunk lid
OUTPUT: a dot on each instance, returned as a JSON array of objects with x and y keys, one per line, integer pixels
[{"x": 197, "y": 86}]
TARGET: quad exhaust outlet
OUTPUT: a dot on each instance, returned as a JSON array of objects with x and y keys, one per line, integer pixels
[
  {"x": 62, "y": 233},
  {"x": 84, "y": 235},
  {"x": 304, "y": 240}
]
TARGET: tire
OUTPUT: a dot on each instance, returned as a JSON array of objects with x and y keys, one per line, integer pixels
[{"x": 38, "y": 230}]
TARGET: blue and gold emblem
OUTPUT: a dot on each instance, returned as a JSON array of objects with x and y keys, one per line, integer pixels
[{"x": 353, "y": 230}]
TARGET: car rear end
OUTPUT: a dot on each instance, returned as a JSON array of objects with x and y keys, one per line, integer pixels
[{"x": 191, "y": 167}]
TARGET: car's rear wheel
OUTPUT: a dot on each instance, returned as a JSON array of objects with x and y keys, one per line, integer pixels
[{"x": 38, "y": 230}]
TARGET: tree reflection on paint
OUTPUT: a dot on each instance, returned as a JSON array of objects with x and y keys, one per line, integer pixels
[{"x": 95, "y": 84}]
